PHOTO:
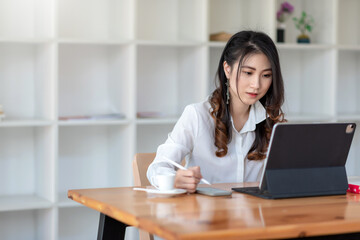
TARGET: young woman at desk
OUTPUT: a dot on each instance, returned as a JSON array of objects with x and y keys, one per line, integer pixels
[{"x": 225, "y": 138}]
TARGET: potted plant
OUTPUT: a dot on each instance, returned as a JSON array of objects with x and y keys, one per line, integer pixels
[
  {"x": 282, "y": 14},
  {"x": 304, "y": 24}
]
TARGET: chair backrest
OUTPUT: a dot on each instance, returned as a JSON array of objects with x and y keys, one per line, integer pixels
[{"x": 141, "y": 163}]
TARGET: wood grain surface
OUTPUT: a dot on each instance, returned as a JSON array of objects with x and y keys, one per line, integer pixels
[{"x": 195, "y": 216}]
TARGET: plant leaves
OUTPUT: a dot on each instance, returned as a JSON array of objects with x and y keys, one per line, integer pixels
[{"x": 304, "y": 23}]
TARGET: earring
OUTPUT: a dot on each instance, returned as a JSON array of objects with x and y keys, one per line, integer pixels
[{"x": 227, "y": 92}]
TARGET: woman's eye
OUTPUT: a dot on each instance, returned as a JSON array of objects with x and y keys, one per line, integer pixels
[
  {"x": 247, "y": 73},
  {"x": 267, "y": 75}
]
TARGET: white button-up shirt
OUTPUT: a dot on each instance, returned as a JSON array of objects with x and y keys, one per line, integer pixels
[{"x": 193, "y": 138}]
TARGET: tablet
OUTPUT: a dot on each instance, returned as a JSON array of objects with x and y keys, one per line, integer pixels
[{"x": 305, "y": 159}]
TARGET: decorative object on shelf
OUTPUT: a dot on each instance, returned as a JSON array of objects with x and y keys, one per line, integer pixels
[
  {"x": 110, "y": 116},
  {"x": 221, "y": 36},
  {"x": 2, "y": 115},
  {"x": 150, "y": 114},
  {"x": 304, "y": 24},
  {"x": 284, "y": 12}
]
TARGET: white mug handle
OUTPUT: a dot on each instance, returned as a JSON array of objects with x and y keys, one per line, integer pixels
[{"x": 153, "y": 183}]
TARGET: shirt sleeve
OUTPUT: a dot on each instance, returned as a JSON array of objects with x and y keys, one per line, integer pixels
[{"x": 180, "y": 143}]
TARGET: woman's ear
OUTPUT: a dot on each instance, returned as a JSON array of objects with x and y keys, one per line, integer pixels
[{"x": 227, "y": 69}]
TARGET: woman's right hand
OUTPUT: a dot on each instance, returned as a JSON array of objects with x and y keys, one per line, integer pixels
[{"x": 188, "y": 179}]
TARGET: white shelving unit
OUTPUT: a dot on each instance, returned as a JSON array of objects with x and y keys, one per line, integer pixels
[{"x": 77, "y": 57}]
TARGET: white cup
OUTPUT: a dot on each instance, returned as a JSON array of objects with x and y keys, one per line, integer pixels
[{"x": 164, "y": 182}]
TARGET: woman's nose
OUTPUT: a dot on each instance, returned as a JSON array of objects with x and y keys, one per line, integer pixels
[{"x": 255, "y": 82}]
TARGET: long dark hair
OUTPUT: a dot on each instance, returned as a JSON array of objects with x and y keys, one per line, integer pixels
[{"x": 240, "y": 46}]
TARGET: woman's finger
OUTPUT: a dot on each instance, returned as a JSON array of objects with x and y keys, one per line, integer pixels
[
  {"x": 190, "y": 180},
  {"x": 196, "y": 172}
]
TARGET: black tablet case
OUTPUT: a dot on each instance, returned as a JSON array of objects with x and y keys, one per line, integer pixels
[{"x": 306, "y": 160}]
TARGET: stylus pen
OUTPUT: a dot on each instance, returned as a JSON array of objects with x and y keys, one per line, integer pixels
[{"x": 181, "y": 167}]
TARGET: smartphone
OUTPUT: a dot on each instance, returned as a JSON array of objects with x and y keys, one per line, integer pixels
[{"x": 212, "y": 191}]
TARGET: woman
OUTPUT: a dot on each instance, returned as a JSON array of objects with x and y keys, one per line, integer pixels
[{"x": 225, "y": 138}]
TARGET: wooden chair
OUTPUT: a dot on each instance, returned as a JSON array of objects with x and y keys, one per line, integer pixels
[{"x": 141, "y": 163}]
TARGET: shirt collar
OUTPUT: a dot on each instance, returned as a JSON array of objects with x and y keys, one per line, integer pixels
[{"x": 257, "y": 114}]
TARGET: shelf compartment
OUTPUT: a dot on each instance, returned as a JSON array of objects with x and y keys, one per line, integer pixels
[
  {"x": 348, "y": 85},
  {"x": 27, "y": 80},
  {"x": 309, "y": 118},
  {"x": 93, "y": 42},
  {"x": 215, "y": 54},
  {"x": 27, "y": 19},
  {"x": 169, "y": 79},
  {"x": 291, "y": 46},
  {"x": 99, "y": 20},
  {"x": 23, "y": 202},
  {"x": 308, "y": 80},
  {"x": 20, "y": 40},
  {"x": 150, "y": 136},
  {"x": 324, "y": 17},
  {"x": 24, "y": 123},
  {"x": 348, "y": 17},
  {"x": 84, "y": 223},
  {"x": 349, "y": 117},
  {"x": 310, "y": 47},
  {"x": 93, "y": 122},
  {"x": 253, "y": 15},
  {"x": 214, "y": 44},
  {"x": 178, "y": 43},
  {"x": 156, "y": 121},
  {"x": 94, "y": 157},
  {"x": 35, "y": 224},
  {"x": 349, "y": 47},
  {"x": 170, "y": 20},
  {"x": 27, "y": 162},
  {"x": 95, "y": 79}
]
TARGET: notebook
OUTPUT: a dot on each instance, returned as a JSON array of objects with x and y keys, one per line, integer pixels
[{"x": 305, "y": 159}]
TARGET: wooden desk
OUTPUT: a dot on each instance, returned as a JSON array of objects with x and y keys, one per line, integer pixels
[{"x": 240, "y": 216}]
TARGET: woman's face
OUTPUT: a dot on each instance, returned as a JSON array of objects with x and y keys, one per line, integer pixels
[{"x": 254, "y": 80}]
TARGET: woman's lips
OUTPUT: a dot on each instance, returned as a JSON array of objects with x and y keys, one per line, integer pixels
[{"x": 253, "y": 95}]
